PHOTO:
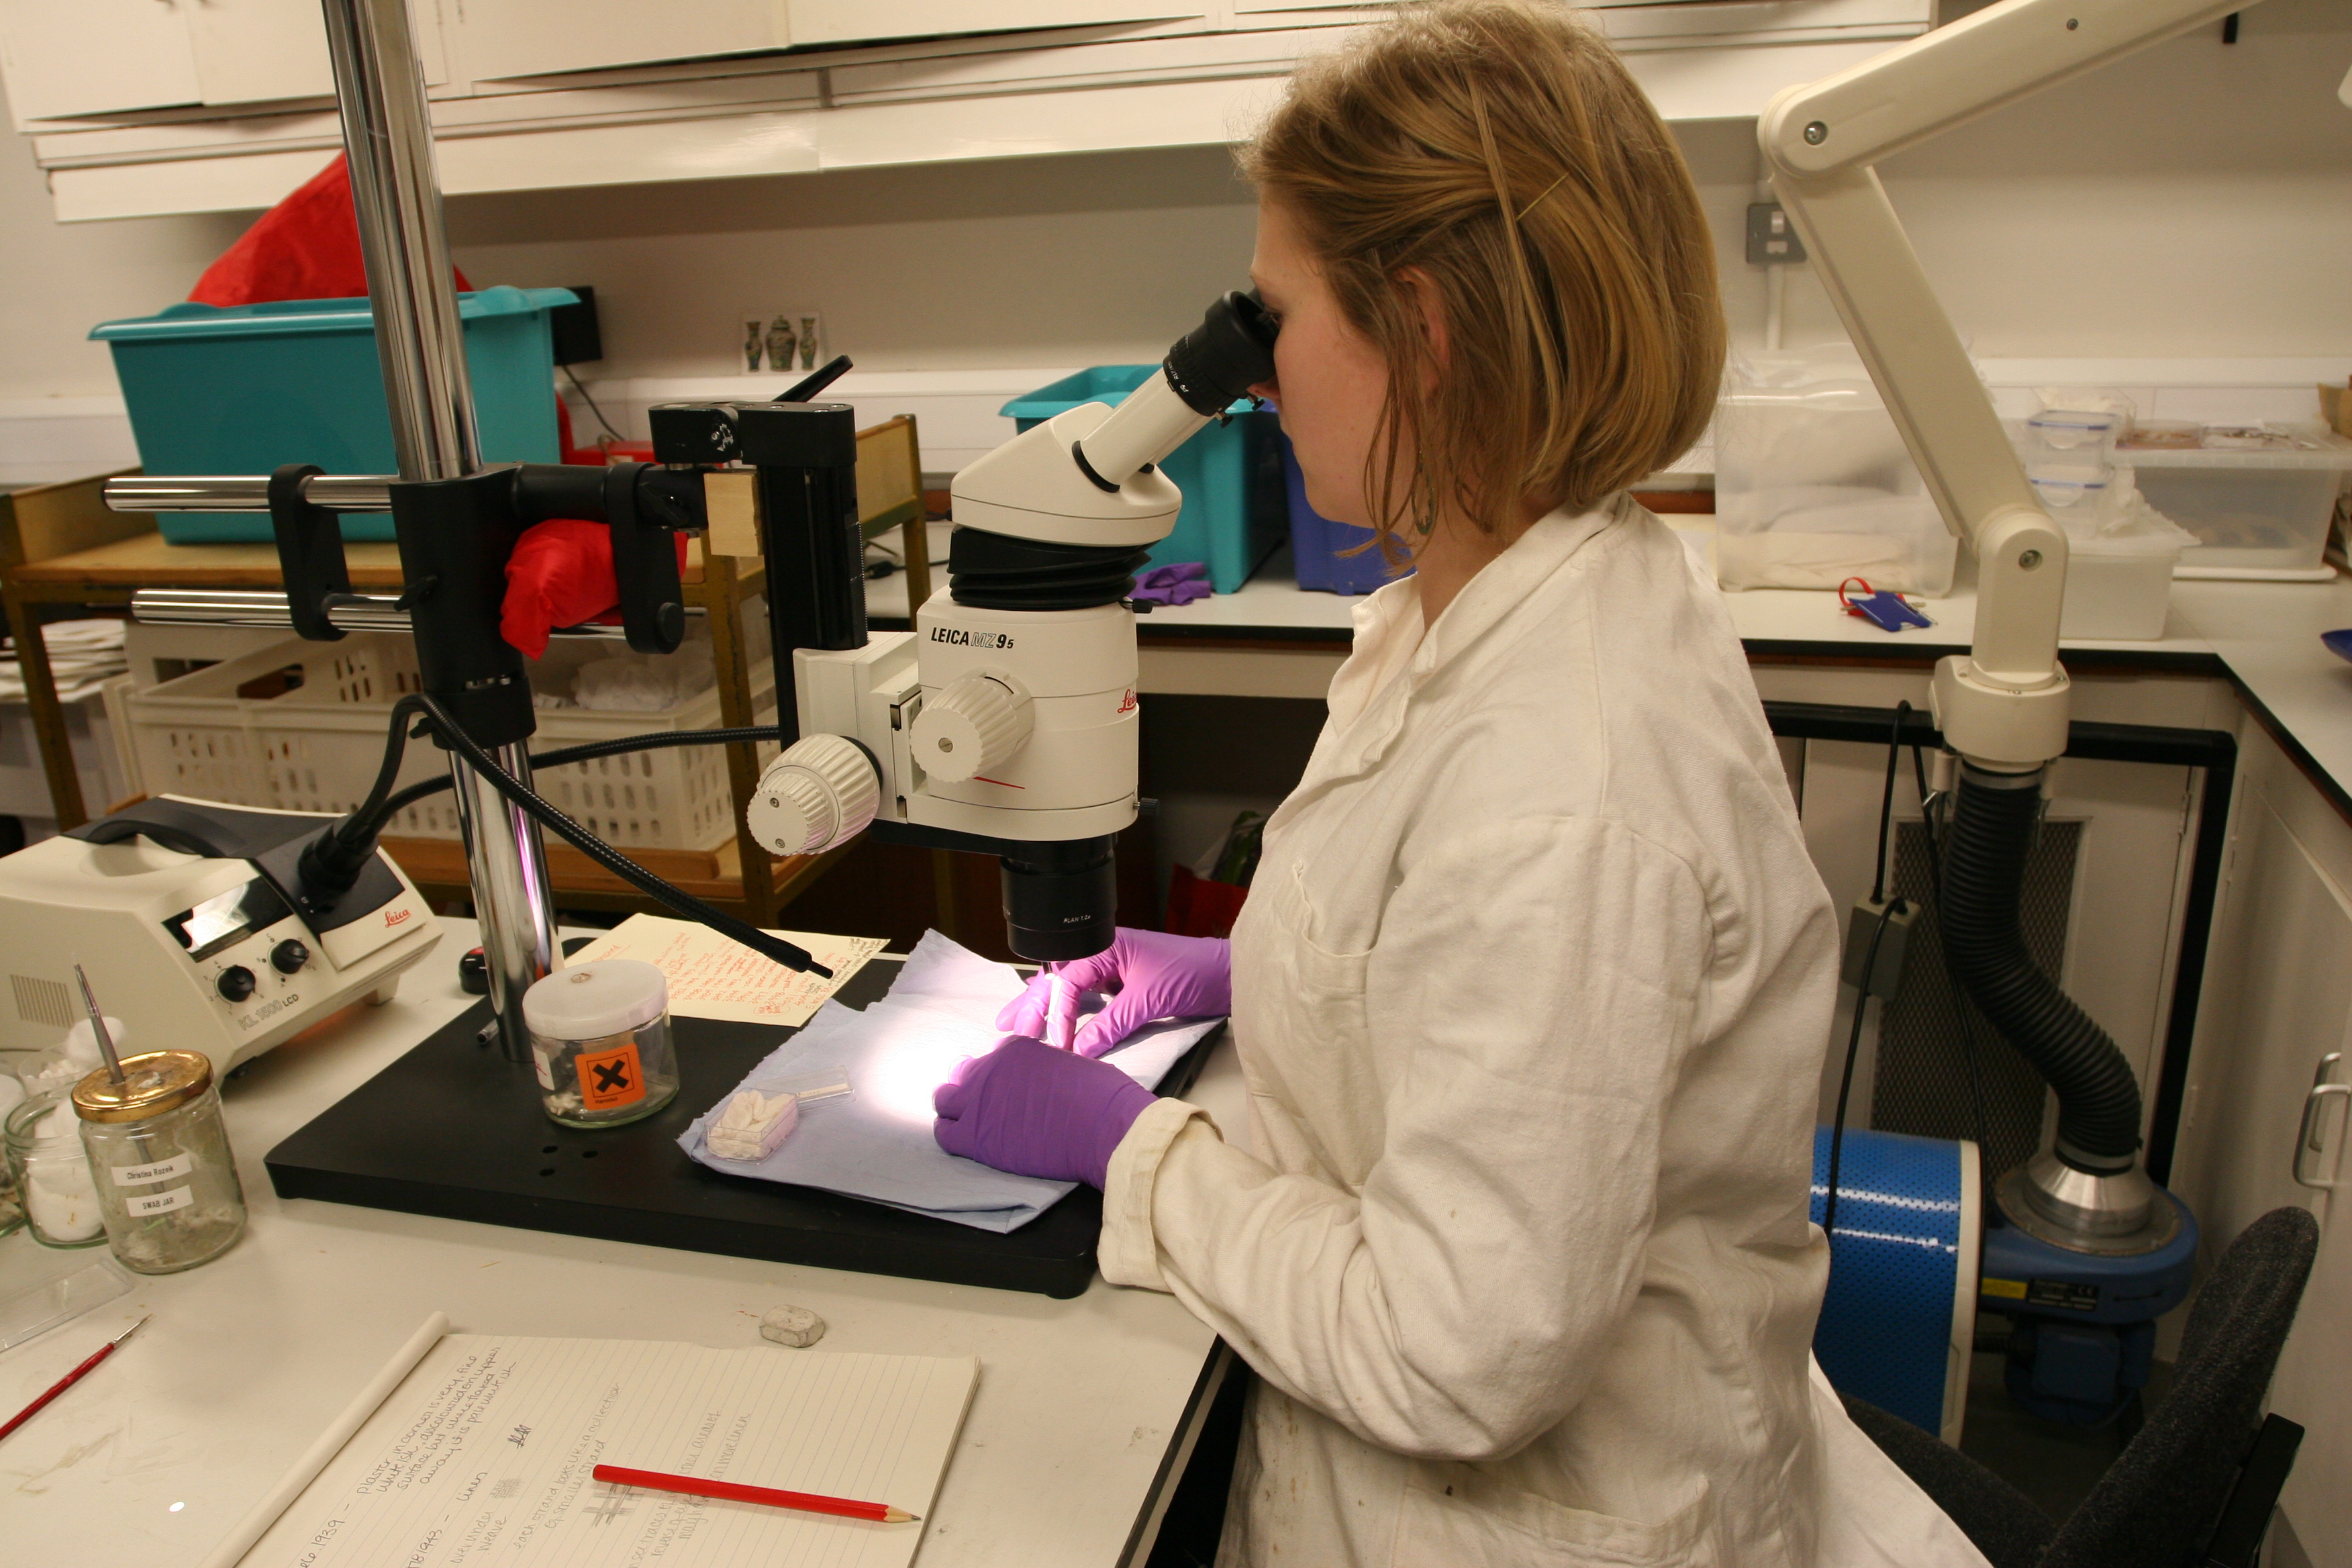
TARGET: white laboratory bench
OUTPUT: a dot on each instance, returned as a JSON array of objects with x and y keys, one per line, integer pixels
[
  {"x": 2260, "y": 639},
  {"x": 1085, "y": 1413}
]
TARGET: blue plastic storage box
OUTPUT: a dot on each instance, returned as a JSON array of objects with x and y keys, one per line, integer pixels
[
  {"x": 244, "y": 389},
  {"x": 1318, "y": 546},
  {"x": 1234, "y": 514}
]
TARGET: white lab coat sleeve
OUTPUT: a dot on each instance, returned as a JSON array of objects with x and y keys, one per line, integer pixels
[{"x": 1537, "y": 980}]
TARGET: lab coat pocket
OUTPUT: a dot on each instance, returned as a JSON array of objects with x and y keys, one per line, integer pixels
[
  {"x": 1471, "y": 1523},
  {"x": 1322, "y": 959},
  {"x": 1298, "y": 1009}
]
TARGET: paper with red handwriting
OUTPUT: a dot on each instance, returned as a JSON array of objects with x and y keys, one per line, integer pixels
[{"x": 714, "y": 976}]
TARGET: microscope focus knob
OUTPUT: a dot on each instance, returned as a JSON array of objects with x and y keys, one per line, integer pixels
[
  {"x": 821, "y": 791},
  {"x": 971, "y": 727}
]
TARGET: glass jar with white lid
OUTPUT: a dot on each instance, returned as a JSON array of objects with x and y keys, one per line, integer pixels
[{"x": 600, "y": 1041}]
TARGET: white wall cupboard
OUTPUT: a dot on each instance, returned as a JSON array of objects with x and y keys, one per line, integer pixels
[
  {"x": 491, "y": 40},
  {"x": 863, "y": 21},
  {"x": 2278, "y": 1003},
  {"x": 256, "y": 50},
  {"x": 199, "y": 105},
  {"x": 95, "y": 57}
]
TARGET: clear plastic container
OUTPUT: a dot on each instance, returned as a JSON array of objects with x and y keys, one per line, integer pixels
[
  {"x": 2074, "y": 434},
  {"x": 45, "y": 1152},
  {"x": 1813, "y": 484},
  {"x": 2258, "y": 513},
  {"x": 599, "y": 1040},
  {"x": 167, "y": 1183},
  {"x": 2118, "y": 585}
]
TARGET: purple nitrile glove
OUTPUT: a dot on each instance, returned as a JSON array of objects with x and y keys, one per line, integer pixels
[
  {"x": 1177, "y": 585},
  {"x": 1158, "y": 975},
  {"x": 1031, "y": 1110}
]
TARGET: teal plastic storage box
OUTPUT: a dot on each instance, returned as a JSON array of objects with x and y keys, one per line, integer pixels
[
  {"x": 244, "y": 389},
  {"x": 1235, "y": 512}
]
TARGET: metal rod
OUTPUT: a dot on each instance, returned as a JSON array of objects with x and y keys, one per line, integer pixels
[
  {"x": 388, "y": 139},
  {"x": 255, "y": 607},
  {"x": 512, "y": 898},
  {"x": 98, "y": 1030},
  {"x": 396, "y": 196},
  {"x": 336, "y": 492},
  {"x": 267, "y": 607}
]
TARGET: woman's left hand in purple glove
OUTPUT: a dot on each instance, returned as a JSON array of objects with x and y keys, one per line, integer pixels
[{"x": 1031, "y": 1110}]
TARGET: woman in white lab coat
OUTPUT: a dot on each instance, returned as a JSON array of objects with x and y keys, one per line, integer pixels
[{"x": 1535, "y": 977}]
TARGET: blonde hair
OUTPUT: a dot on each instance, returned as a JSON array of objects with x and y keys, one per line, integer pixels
[{"x": 1501, "y": 148}]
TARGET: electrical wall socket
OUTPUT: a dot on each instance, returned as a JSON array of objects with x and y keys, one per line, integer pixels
[{"x": 1771, "y": 237}]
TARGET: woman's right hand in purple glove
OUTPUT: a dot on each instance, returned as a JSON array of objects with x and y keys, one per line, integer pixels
[{"x": 1155, "y": 974}]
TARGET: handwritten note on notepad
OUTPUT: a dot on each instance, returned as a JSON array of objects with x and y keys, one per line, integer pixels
[
  {"x": 712, "y": 976},
  {"x": 482, "y": 1455}
]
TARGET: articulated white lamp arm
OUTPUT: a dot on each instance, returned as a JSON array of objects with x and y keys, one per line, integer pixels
[{"x": 2004, "y": 705}]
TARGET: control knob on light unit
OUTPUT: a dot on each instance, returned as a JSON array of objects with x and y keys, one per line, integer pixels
[
  {"x": 235, "y": 982},
  {"x": 288, "y": 956},
  {"x": 821, "y": 791},
  {"x": 973, "y": 726}
]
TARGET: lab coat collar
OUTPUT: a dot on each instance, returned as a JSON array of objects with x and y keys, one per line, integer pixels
[{"x": 1365, "y": 723}]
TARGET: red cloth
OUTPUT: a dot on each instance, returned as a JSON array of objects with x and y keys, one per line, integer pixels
[
  {"x": 305, "y": 248},
  {"x": 1198, "y": 907},
  {"x": 561, "y": 574}
]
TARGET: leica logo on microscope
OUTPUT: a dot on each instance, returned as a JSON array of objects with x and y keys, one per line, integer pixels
[
  {"x": 394, "y": 916},
  {"x": 961, "y": 637}
]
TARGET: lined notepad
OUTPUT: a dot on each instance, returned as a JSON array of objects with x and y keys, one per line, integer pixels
[{"x": 482, "y": 1455}]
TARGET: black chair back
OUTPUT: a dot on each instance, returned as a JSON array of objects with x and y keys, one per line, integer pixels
[{"x": 2159, "y": 1502}]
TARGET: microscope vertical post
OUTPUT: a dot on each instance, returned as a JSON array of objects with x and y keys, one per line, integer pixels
[{"x": 388, "y": 139}]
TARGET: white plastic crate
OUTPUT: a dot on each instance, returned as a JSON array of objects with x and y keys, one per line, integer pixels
[{"x": 237, "y": 732}]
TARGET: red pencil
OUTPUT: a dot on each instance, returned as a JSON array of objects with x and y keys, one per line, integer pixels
[
  {"x": 68, "y": 1380},
  {"x": 807, "y": 1503}
]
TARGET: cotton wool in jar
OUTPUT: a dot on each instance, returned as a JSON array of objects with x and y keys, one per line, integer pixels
[
  {"x": 600, "y": 1041},
  {"x": 53, "y": 1178}
]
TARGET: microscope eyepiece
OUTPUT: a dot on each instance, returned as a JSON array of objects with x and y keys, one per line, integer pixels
[{"x": 1230, "y": 352}]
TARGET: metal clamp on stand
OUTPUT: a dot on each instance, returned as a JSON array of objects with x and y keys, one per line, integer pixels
[{"x": 309, "y": 552}]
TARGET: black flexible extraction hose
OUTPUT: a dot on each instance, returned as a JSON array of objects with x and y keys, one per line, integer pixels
[{"x": 1994, "y": 817}]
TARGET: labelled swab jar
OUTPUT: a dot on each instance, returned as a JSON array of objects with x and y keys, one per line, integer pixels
[
  {"x": 600, "y": 1041},
  {"x": 167, "y": 1186}
]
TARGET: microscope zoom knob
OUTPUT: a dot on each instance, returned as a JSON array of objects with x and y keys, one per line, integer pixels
[
  {"x": 821, "y": 791},
  {"x": 971, "y": 727}
]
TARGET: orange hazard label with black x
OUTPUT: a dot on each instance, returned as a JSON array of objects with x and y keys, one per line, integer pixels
[{"x": 609, "y": 1080}]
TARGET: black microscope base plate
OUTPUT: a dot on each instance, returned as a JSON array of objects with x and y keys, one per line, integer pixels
[{"x": 453, "y": 1130}]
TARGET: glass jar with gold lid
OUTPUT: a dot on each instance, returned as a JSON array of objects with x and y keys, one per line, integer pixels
[{"x": 167, "y": 1184}]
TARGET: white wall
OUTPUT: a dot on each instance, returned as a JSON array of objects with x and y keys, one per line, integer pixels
[
  {"x": 2194, "y": 201},
  {"x": 58, "y": 281}
]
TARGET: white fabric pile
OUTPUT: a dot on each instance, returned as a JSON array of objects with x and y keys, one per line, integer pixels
[
  {"x": 754, "y": 1124},
  {"x": 83, "y": 656},
  {"x": 639, "y": 683}
]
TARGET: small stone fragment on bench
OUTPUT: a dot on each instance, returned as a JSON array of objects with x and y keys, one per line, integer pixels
[{"x": 795, "y": 1326}]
